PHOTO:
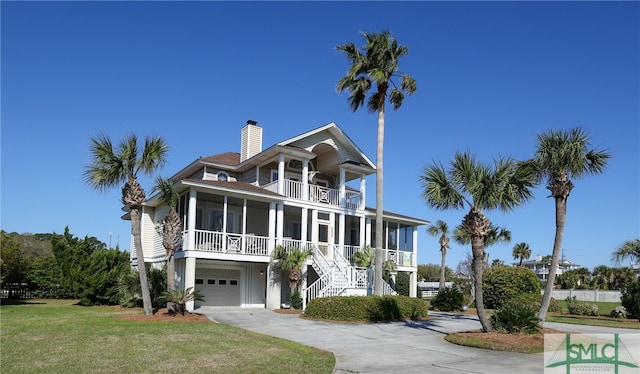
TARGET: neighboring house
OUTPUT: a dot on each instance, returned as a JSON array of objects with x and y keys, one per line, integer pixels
[
  {"x": 541, "y": 265},
  {"x": 429, "y": 289},
  {"x": 236, "y": 207}
]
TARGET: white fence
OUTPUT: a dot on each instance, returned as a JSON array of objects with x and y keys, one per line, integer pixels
[{"x": 588, "y": 295}]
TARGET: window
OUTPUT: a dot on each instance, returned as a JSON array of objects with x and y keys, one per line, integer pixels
[
  {"x": 222, "y": 282},
  {"x": 274, "y": 175},
  {"x": 199, "y": 281},
  {"x": 295, "y": 164},
  {"x": 233, "y": 282},
  {"x": 211, "y": 281},
  {"x": 222, "y": 176}
]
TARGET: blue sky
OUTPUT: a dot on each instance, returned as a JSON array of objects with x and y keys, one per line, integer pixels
[{"x": 491, "y": 76}]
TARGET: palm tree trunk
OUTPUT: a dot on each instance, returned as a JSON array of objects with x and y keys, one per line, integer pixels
[
  {"x": 378, "y": 283},
  {"x": 477, "y": 247},
  {"x": 442, "y": 268},
  {"x": 171, "y": 272},
  {"x": 521, "y": 258},
  {"x": 561, "y": 218},
  {"x": 142, "y": 267}
]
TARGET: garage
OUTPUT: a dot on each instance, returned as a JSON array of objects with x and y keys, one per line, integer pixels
[{"x": 220, "y": 287}]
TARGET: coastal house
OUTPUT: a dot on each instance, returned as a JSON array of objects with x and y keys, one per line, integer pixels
[
  {"x": 307, "y": 191},
  {"x": 541, "y": 265}
]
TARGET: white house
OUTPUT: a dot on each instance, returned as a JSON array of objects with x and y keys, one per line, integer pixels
[
  {"x": 541, "y": 266},
  {"x": 307, "y": 192}
]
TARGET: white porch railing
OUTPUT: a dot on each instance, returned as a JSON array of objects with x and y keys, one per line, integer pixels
[
  {"x": 214, "y": 241},
  {"x": 319, "y": 194}
]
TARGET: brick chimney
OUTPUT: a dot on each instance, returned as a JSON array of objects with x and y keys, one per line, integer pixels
[{"x": 251, "y": 141}]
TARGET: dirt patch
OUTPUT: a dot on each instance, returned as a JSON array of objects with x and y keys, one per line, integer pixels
[
  {"x": 288, "y": 311},
  {"x": 161, "y": 315},
  {"x": 502, "y": 341}
]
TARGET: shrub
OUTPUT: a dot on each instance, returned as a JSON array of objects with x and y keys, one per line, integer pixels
[
  {"x": 631, "y": 298},
  {"x": 366, "y": 308},
  {"x": 515, "y": 317},
  {"x": 618, "y": 312},
  {"x": 296, "y": 300},
  {"x": 504, "y": 283},
  {"x": 534, "y": 301},
  {"x": 448, "y": 299},
  {"x": 178, "y": 299},
  {"x": 582, "y": 309}
]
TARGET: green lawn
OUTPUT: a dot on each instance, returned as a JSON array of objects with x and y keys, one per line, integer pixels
[{"x": 55, "y": 336}]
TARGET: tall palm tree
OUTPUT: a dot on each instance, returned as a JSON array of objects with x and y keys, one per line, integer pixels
[
  {"x": 441, "y": 229},
  {"x": 292, "y": 261},
  {"x": 559, "y": 156},
  {"x": 521, "y": 251},
  {"x": 628, "y": 250},
  {"x": 478, "y": 187},
  {"x": 171, "y": 227},
  {"x": 111, "y": 166},
  {"x": 376, "y": 65}
]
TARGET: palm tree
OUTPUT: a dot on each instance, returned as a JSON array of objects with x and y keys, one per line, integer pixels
[
  {"x": 559, "y": 156},
  {"x": 170, "y": 227},
  {"x": 376, "y": 64},
  {"x": 111, "y": 167},
  {"x": 442, "y": 229},
  {"x": 478, "y": 187},
  {"x": 521, "y": 251},
  {"x": 628, "y": 250},
  {"x": 365, "y": 257},
  {"x": 292, "y": 261}
]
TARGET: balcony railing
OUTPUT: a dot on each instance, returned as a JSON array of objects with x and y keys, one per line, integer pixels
[
  {"x": 213, "y": 241},
  {"x": 319, "y": 194}
]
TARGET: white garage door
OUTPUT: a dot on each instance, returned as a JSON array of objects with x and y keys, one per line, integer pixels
[{"x": 220, "y": 287}]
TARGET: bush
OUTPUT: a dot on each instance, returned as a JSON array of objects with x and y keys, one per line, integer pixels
[
  {"x": 504, "y": 283},
  {"x": 366, "y": 308},
  {"x": 448, "y": 299},
  {"x": 631, "y": 298},
  {"x": 534, "y": 301},
  {"x": 618, "y": 312},
  {"x": 515, "y": 317},
  {"x": 296, "y": 300},
  {"x": 582, "y": 309},
  {"x": 178, "y": 299}
]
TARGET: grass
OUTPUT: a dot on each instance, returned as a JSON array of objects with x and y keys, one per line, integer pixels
[
  {"x": 534, "y": 343},
  {"x": 58, "y": 336}
]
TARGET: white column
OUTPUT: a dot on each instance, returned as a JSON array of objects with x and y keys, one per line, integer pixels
[
  {"x": 363, "y": 183},
  {"x": 244, "y": 226},
  {"x": 367, "y": 234},
  {"x": 274, "y": 281},
  {"x": 341, "y": 229},
  {"x": 414, "y": 258},
  {"x": 304, "y": 217},
  {"x": 305, "y": 180},
  {"x": 343, "y": 202},
  {"x": 363, "y": 228},
  {"x": 190, "y": 278},
  {"x": 224, "y": 224},
  {"x": 413, "y": 284},
  {"x": 280, "y": 222},
  {"x": 191, "y": 222},
  {"x": 281, "y": 174},
  {"x": 272, "y": 226}
]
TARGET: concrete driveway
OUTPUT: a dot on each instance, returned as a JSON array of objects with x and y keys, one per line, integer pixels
[{"x": 403, "y": 347}]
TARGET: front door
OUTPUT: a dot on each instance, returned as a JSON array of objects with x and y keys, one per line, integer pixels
[{"x": 324, "y": 236}]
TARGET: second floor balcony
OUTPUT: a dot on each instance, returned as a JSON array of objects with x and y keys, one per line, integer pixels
[{"x": 318, "y": 194}]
